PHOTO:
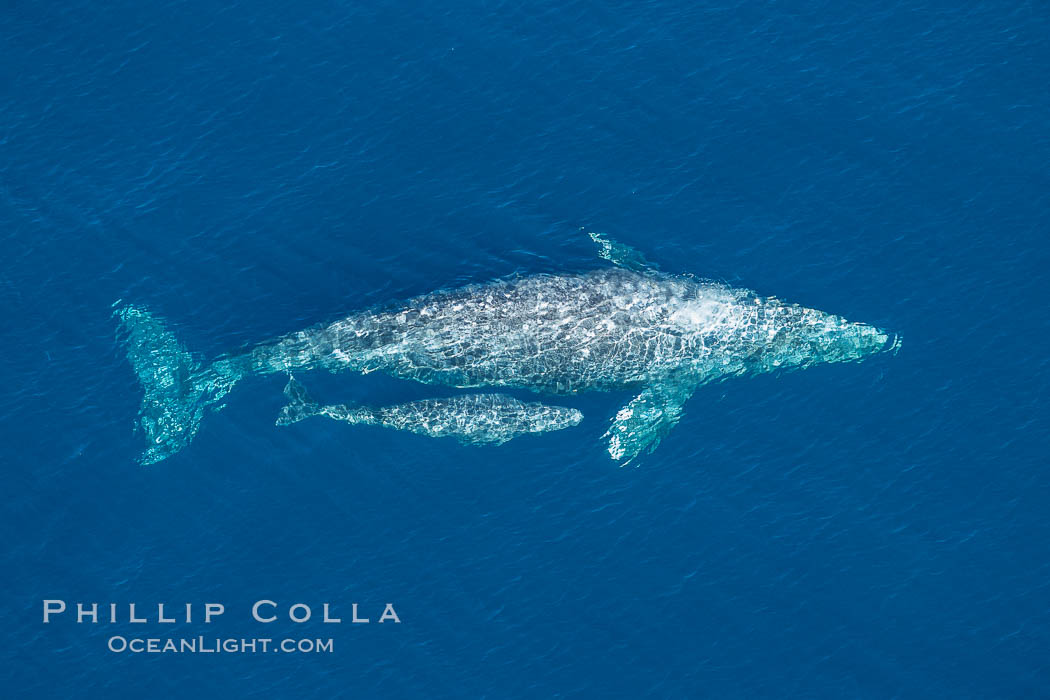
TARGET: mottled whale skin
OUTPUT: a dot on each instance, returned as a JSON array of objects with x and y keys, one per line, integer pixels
[
  {"x": 472, "y": 419},
  {"x": 624, "y": 327}
]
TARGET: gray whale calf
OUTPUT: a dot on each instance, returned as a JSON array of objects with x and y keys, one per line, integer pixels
[
  {"x": 473, "y": 419},
  {"x": 626, "y": 327}
]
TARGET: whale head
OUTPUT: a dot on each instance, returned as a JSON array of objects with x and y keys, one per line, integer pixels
[
  {"x": 839, "y": 340},
  {"x": 541, "y": 418},
  {"x": 805, "y": 337},
  {"x": 562, "y": 417}
]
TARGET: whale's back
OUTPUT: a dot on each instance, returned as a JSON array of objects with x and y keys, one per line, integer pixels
[{"x": 558, "y": 333}]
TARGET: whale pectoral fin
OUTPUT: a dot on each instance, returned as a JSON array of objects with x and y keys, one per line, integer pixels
[
  {"x": 641, "y": 424},
  {"x": 621, "y": 255}
]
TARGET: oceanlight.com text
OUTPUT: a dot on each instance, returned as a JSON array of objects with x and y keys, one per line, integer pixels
[{"x": 217, "y": 645}]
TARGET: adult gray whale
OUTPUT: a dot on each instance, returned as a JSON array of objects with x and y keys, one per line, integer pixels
[
  {"x": 473, "y": 419},
  {"x": 625, "y": 327}
]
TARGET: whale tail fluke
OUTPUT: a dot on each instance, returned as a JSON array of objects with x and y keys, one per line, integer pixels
[
  {"x": 177, "y": 387},
  {"x": 300, "y": 404}
]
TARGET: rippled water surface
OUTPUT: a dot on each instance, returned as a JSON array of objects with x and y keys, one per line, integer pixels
[{"x": 851, "y": 530}]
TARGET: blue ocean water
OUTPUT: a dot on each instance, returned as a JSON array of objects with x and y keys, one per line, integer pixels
[{"x": 859, "y": 530}]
